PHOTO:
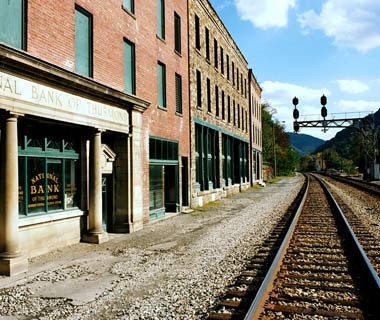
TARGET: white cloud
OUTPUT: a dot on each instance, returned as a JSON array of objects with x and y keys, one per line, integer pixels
[
  {"x": 358, "y": 105},
  {"x": 265, "y": 14},
  {"x": 352, "y": 24},
  {"x": 352, "y": 86},
  {"x": 280, "y": 95}
]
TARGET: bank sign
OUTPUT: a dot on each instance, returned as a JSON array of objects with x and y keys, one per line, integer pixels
[{"x": 26, "y": 97}]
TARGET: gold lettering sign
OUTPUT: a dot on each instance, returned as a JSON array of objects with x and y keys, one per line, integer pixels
[
  {"x": 38, "y": 190},
  {"x": 28, "y": 97}
]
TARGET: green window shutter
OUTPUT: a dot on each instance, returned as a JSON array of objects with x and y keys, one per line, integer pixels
[
  {"x": 161, "y": 85},
  {"x": 178, "y": 93},
  {"x": 177, "y": 33},
  {"x": 129, "y": 67},
  {"x": 83, "y": 43},
  {"x": 12, "y": 24},
  {"x": 161, "y": 18},
  {"x": 129, "y": 5}
]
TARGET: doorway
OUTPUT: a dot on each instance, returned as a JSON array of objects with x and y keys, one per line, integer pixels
[{"x": 107, "y": 203}]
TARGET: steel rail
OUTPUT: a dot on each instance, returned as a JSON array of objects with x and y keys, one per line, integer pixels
[
  {"x": 268, "y": 281},
  {"x": 369, "y": 272},
  {"x": 366, "y": 266},
  {"x": 362, "y": 185}
]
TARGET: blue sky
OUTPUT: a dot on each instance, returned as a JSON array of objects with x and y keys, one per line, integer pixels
[{"x": 307, "y": 48}]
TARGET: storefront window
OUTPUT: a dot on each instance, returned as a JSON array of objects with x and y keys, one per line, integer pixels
[
  {"x": 156, "y": 187},
  {"x": 47, "y": 176}
]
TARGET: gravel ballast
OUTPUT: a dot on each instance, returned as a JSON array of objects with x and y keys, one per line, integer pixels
[{"x": 173, "y": 269}]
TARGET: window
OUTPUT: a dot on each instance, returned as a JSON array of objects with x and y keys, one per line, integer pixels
[
  {"x": 12, "y": 23},
  {"x": 178, "y": 93},
  {"x": 233, "y": 73},
  {"x": 207, "y": 35},
  {"x": 229, "y": 109},
  {"x": 246, "y": 121},
  {"x": 223, "y": 106},
  {"x": 161, "y": 85},
  {"x": 245, "y": 88},
  {"x": 242, "y": 119},
  {"x": 83, "y": 42},
  {"x": 228, "y": 66},
  {"x": 129, "y": 67},
  {"x": 177, "y": 33},
  {"x": 221, "y": 60},
  {"x": 237, "y": 79},
  {"x": 215, "y": 53},
  {"x": 216, "y": 100},
  {"x": 199, "y": 89},
  {"x": 234, "y": 111},
  {"x": 161, "y": 19},
  {"x": 48, "y": 172},
  {"x": 208, "y": 95},
  {"x": 238, "y": 115},
  {"x": 241, "y": 83},
  {"x": 129, "y": 5},
  {"x": 197, "y": 33}
]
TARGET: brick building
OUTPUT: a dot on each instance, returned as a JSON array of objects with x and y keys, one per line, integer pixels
[
  {"x": 219, "y": 108},
  {"x": 94, "y": 120}
]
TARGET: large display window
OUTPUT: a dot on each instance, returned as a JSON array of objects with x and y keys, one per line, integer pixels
[{"x": 47, "y": 175}]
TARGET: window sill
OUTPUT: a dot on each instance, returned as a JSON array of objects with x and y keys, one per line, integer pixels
[
  {"x": 178, "y": 53},
  {"x": 179, "y": 114},
  {"x": 162, "y": 108},
  {"x": 132, "y": 14},
  {"x": 161, "y": 39},
  {"x": 49, "y": 217}
]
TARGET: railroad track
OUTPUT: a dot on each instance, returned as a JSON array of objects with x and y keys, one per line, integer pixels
[
  {"x": 360, "y": 184},
  {"x": 319, "y": 272}
]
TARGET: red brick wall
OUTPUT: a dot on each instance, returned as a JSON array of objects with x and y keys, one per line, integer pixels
[{"x": 50, "y": 36}]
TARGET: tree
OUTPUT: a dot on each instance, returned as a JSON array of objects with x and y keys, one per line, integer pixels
[{"x": 277, "y": 150}]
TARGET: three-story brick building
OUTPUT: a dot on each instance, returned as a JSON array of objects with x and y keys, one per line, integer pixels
[{"x": 114, "y": 113}]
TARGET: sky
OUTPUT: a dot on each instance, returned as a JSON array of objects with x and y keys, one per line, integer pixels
[{"x": 307, "y": 48}]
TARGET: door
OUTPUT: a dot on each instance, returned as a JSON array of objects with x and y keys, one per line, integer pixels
[
  {"x": 171, "y": 188},
  {"x": 107, "y": 203},
  {"x": 185, "y": 182}
]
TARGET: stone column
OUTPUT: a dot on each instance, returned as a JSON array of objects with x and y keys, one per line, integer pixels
[
  {"x": 95, "y": 233},
  {"x": 11, "y": 261}
]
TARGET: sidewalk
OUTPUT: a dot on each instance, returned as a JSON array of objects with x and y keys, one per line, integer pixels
[{"x": 172, "y": 269}]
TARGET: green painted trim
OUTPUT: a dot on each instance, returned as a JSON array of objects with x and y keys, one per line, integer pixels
[
  {"x": 163, "y": 139},
  {"x": 219, "y": 129},
  {"x": 164, "y": 162}
]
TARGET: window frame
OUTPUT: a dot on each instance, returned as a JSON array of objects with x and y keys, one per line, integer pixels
[
  {"x": 161, "y": 92},
  {"x": 90, "y": 40},
  {"x": 197, "y": 33},
  {"x": 178, "y": 93},
  {"x": 133, "y": 66},
  {"x": 129, "y": 7},
  {"x": 177, "y": 33},
  {"x": 160, "y": 15}
]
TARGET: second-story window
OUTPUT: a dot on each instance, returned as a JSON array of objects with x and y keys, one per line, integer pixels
[
  {"x": 129, "y": 5},
  {"x": 216, "y": 101},
  {"x": 129, "y": 67},
  {"x": 161, "y": 19},
  {"x": 197, "y": 33},
  {"x": 199, "y": 89},
  {"x": 83, "y": 42},
  {"x": 233, "y": 73},
  {"x": 208, "y": 95},
  {"x": 178, "y": 93},
  {"x": 161, "y": 85},
  {"x": 12, "y": 23},
  {"x": 177, "y": 33}
]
